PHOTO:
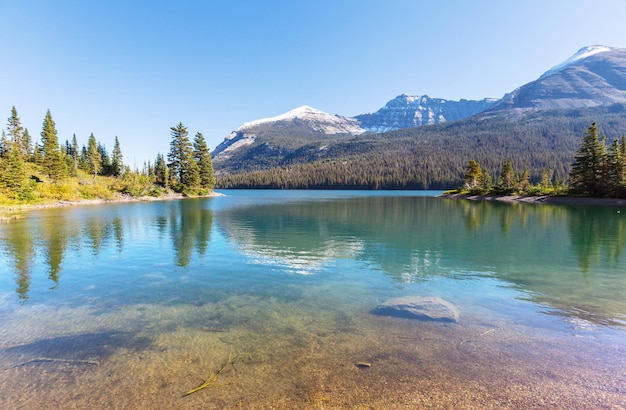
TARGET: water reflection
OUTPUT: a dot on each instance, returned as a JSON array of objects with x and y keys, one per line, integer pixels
[
  {"x": 597, "y": 233},
  {"x": 550, "y": 253},
  {"x": 569, "y": 258},
  {"x": 45, "y": 238}
]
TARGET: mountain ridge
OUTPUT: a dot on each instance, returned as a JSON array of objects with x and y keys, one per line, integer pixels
[{"x": 595, "y": 76}]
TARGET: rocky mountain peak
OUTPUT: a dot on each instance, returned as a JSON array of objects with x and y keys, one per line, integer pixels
[{"x": 407, "y": 111}]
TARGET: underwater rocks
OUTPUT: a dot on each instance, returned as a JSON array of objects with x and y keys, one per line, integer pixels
[{"x": 419, "y": 307}]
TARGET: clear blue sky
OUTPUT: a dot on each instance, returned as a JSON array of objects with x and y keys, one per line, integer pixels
[{"x": 133, "y": 69}]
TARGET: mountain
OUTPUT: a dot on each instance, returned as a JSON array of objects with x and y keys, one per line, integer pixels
[
  {"x": 303, "y": 121},
  {"x": 407, "y": 111},
  {"x": 594, "y": 76},
  {"x": 305, "y": 124},
  {"x": 536, "y": 125},
  {"x": 434, "y": 156}
]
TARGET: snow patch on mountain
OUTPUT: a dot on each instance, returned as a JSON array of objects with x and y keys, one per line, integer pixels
[
  {"x": 580, "y": 55},
  {"x": 318, "y": 120}
]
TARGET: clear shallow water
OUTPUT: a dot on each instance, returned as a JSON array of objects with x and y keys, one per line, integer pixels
[{"x": 148, "y": 300}]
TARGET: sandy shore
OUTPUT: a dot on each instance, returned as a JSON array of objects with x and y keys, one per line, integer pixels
[{"x": 544, "y": 199}]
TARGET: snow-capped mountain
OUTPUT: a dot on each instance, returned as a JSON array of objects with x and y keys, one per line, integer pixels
[
  {"x": 315, "y": 120},
  {"x": 407, "y": 111},
  {"x": 594, "y": 76},
  {"x": 301, "y": 121}
]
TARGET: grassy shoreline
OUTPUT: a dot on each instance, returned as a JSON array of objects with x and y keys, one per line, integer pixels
[{"x": 12, "y": 212}]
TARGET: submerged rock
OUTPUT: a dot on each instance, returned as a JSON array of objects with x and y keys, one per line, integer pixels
[{"x": 419, "y": 307}]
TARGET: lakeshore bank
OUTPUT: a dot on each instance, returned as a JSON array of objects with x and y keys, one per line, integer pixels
[
  {"x": 542, "y": 199},
  {"x": 11, "y": 212}
]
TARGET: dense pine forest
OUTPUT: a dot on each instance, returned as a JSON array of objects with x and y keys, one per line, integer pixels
[
  {"x": 428, "y": 157},
  {"x": 47, "y": 170}
]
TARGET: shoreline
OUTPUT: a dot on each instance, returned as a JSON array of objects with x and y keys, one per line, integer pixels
[
  {"x": 8, "y": 212},
  {"x": 542, "y": 199}
]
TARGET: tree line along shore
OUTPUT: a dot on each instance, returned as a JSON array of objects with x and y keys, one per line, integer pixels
[
  {"x": 598, "y": 171},
  {"x": 45, "y": 171}
]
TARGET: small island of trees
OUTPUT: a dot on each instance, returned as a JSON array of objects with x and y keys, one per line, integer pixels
[{"x": 32, "y": 172}]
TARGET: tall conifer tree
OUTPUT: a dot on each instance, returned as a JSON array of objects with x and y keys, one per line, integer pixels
[
  {"x": 205, "y": 164},
  {"x": 94, "y": 156},
  {"x": 183, "y": 167},
  {"x": 16, "y": 133},
  {"x": 589, "y": 164},
  {"x": 52, "y": 159},
  {"x": 117, "y": 160}
]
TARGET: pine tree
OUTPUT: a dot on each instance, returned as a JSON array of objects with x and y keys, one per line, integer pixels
[
  {"x": 524, "y": 181},
  {"x": 16, "y": 132},
  {"x": 105, "y": 160},
  {"x": 4, "y": 145},
  {"x": 588, "y": 168},
  {"x": 546, "y": 178},
  {"x": 52, "y": 159},
  {"x": 473, "y": 174},
  {"x": 117, "y": 160},
  {"x": 75, "y": 154},
  {"x": 183, "y": 167},
  {"x": 506, "y": 182},
  {"x": 161, "y": 172},
  {"x": 12, "y": 172},
  {"x": 615, "y": 169},
  {"x": 485, "y": 181},
  {"x": 205, "y": 164},
  {"x": 83, "y": 159},
  {"x": 94, "y": 157},
  {"x": 28, "y": 143}
]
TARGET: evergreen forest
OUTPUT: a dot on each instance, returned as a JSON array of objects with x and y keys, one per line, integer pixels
[
  {"x": 47, "y": 170},
  {"x": 427, "y": 157}
]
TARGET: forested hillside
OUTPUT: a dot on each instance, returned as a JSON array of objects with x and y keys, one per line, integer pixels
[{"x": 428, "y": 157}]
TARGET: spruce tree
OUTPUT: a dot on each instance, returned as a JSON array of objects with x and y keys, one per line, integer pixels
[
  {"x": 205, "y": 164},
  {"x": 94, "y": 157},
  {"x": 183, "y": 167},
  {"x": 52, "y": 160},
  {"x": 28, "y": 142},
  {"x": 473, "y": 174},
  {"x": 615, "y": 169},
  {"x": 75, "y": 154},
  {"x": 13, "y": 174},
  {"x": 16, "y": 132},
  {"x": 588, "y": 168},
  {"x": 117, "y": 160},
  {"x": 546, "y": 178},
  {"x": 105, "y": 160},
  {"x": 524, "y": 181},
  {"x": 4, "y": 145},
  {"x": 506, "y": 182},
  {"x": 161, "y": 172}
]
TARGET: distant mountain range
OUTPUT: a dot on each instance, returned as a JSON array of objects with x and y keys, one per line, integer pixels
[{"x": 595, "y": 76}]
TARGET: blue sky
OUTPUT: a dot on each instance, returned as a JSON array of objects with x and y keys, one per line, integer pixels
[{"x": 133, "y": 69}]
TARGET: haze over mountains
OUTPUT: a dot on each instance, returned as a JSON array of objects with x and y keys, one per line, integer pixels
[{"x": 595, "y": 76}]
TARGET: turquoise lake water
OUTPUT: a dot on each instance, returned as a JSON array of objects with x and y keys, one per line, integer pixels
[{"x": 270, "y": 293}]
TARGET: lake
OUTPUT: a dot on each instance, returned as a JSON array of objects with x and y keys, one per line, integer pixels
[{"x": 266, "y": 299}]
